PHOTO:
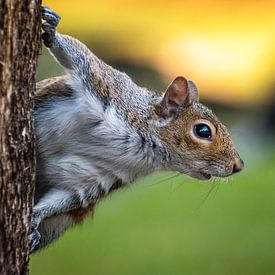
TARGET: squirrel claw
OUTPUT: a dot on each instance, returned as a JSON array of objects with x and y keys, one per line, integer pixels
[
  {"x": 34, "y": 239},
  {"x": 50, "y": 16},
  {"x": 52, "y": 19},
  {"x": 47, "y": 27}
]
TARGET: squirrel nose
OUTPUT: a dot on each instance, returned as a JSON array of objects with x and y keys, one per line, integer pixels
[{"x": 238, "y": 166}]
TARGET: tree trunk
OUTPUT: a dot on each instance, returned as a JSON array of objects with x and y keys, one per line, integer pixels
[{"x": 19, "y": 46}]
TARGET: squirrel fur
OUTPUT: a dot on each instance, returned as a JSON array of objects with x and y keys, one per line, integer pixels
[{"x": 97, "y": 131}]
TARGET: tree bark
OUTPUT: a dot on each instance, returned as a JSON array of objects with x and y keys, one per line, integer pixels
[{"x": 19, "y": 46}]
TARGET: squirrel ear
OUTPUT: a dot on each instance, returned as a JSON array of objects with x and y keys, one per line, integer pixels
[
  {"x": 176, "y": 96},
  {"x": 193, "y": 91}
]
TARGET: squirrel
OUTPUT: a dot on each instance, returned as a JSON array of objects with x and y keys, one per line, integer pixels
[{"x": 97, "y": 131}]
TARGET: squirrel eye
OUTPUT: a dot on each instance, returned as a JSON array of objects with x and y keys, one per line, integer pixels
[{"x": 202, "y": 131}]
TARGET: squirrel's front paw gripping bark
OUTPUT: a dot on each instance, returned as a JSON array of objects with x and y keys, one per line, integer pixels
[
  {"x": 34, "y": 239},
  {"x": 34, "y": 236},
  {"x": 49, "y": 26}
]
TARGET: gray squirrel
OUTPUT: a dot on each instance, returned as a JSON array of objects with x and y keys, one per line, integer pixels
[{"x": 97, "y": 131}]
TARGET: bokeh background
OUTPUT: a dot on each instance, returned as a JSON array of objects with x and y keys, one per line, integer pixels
[{"x": 169, "y": 224}]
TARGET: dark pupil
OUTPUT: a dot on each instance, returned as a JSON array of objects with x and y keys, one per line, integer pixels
[{"x": 202, "y": 131}]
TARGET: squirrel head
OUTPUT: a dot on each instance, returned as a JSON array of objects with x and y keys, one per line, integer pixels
[{"x": 199, "y": 145}]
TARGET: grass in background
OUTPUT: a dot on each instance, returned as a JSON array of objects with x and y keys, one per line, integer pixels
[{"x": 167, "y": 227}]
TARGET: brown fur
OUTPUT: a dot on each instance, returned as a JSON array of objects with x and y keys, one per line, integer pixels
[
  {"x": 177, "y": 135},
  {"x": 55, "y": 86},
  {"x": 81, "y": 213}
]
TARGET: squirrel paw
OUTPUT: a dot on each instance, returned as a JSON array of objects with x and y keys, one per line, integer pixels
[
  {"x": 34, "y": 235},
  {"x": 35, "y": 219},
  {"x": 51, "y": 21},
  {"x": 34, "y": 239}
]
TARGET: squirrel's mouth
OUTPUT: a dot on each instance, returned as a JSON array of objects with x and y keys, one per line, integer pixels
[{"x": 201, "y": 176}]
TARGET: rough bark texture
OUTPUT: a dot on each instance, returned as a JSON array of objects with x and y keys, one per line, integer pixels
[{"x": 19, "y": 46}]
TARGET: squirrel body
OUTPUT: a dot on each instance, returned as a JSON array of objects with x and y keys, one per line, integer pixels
[{"x": 98, "y": 131}]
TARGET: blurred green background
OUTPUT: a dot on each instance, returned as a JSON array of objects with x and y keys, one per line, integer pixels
[{"x": 168, "y": 223}]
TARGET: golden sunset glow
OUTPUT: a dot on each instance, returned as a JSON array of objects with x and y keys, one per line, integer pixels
[{"x": 226, "y": 47}]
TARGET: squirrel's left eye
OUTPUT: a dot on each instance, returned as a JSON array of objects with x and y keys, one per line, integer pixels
[{"x": 202, "y": 131}]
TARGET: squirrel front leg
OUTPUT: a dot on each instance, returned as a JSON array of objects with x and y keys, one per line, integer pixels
[
  {"x": 54, "y": 202},
  {"x": 86, "y": 70}
]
